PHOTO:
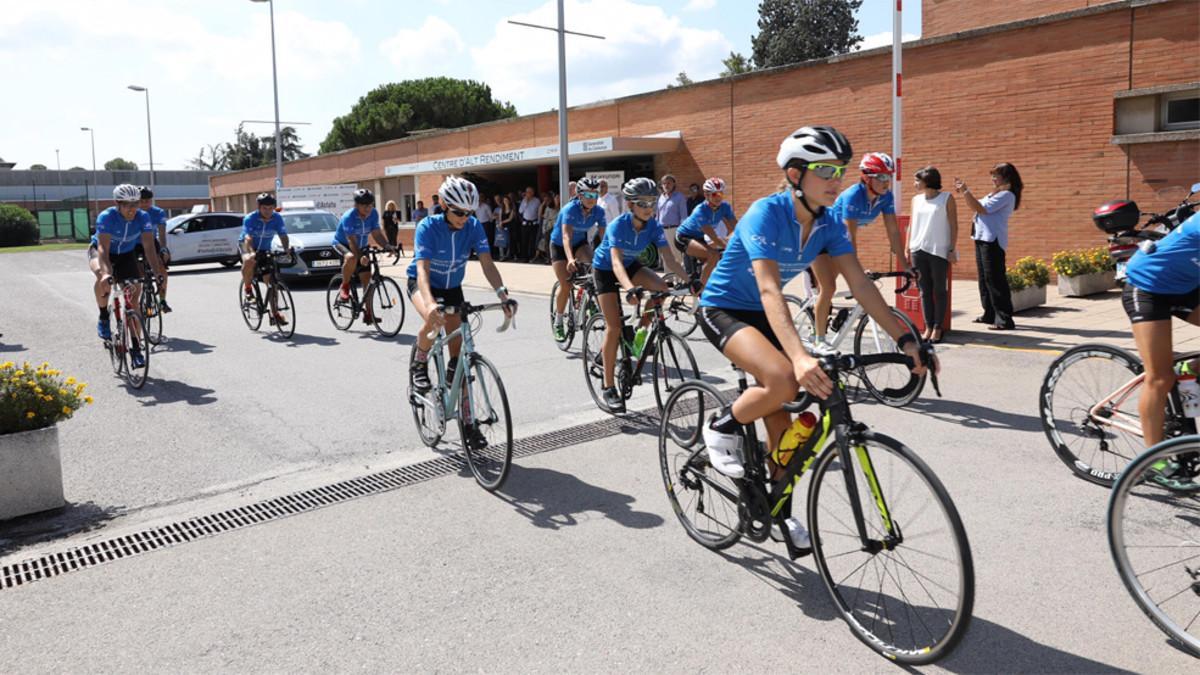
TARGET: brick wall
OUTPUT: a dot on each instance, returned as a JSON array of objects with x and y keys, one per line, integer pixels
[{"x": 942, "y": 17}]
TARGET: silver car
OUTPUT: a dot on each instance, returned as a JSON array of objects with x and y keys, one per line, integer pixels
[{"x": 310, "y": 232}]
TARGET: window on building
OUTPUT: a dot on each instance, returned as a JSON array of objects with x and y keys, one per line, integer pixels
[{"x": 1181, "y": 110}]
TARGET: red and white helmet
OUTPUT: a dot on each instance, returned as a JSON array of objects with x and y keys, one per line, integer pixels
[
  {"x": 876, "y": 163},
  {"x": 714, "y": 184}
]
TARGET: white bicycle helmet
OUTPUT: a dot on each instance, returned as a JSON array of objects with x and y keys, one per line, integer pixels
[
  {"x": 637, "y": 188},
  {"x": 714, "y": 184},
  {"x": 127, "y": 193},
  {"x": 588, "y": 184},
  {"x": 814, "y": 144},
  {"x": 459, "y": 193}
]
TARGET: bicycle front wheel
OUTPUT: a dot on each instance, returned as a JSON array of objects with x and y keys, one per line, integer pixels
[
  {"x": 152, "y": 314},
  {"x": 591, "y": 347},
  {"x": 428, "y": 411},
  {"x": 341, "y": 312},
  {"x": 568, "y": 321},
  {"x": 891, "y": 549},
  {"x": 1152, "y": 537},
  {"x": 485, "y": 424},
  {"x": 891, "y": 384},
  {"x": 284, "y": 308},
  {"x": 673, "y": 364},
  {"x": 387, "y": 306},
  {"x": 704, "y": 500},
  {"x": 1089, "y": 414},
  {"x": 250, "y": 305},
  {"x": 135, "y": 376},
  {"x": 680, "y": 311}
]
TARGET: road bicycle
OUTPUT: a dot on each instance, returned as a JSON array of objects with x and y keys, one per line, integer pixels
[
  {"x": 150, "y": 305},
  {"x": 386, "y": 311},
  {"x": 1088, "y": 404},
  {"x": 671, "y": 360},
  {"x": 1154, "y": 539},
  {"x": 581, "y": 305},
  {"x": 887, "y": 382},
  {"x": 886, "y": 537},
  {"x": 123, "y": 310},
  {"x": 272, "y": 300},
  {"x": 470, "y": 391}
]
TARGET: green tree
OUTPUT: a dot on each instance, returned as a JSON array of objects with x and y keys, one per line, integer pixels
[
  {"x": 214, "y": 160},
  {"x": 18, "y": 227},
  {"x": 791, "y": 31},
  {"x": 37, "y": 167},
  {"x": 289, "y": 142},
  {"x": 119, "y": 164},
  {"x": 736, "y": 64},
  {"x": 77, "y": 168},
  {"x": 397, "y": 109},
  {"x": 681, "y": 80},
  {"x": 248, "y": 151}
]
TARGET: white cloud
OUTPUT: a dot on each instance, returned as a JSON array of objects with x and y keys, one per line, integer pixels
[
  {"x": 699, "y": 5},
  {"x": 883, "y": 39},
  {"x": 418, "y": 52},
  {"x": 645, "y": 48}
]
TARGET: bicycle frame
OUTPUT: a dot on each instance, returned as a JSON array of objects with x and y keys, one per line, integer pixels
[
  {"x": 1108, "y": 413},
  {"x": 452, "y": 394},
  {"x": 658, "y": 328}
]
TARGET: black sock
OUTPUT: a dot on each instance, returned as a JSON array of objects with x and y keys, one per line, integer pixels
[
  {"x": 725, "y": 423},
  {"x": 104, "y": 314}
]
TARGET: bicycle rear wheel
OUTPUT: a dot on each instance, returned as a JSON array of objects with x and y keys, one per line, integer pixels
[
  {"x": 803, "y": 317},
  {"x": 428, "y": 412},
  {"x": 136, "y": 377},
  {"x": 568, "y": 317},
  {"x": 485, "y": 424},
  {"x": 341, "y": 312},
  {"x": 387, "y": 306},
  {"x": 249, "y": 306},
  {"x": 891, "y": 384},
  {"x": 907, "y": 592},
  {"x": 672, "y": 364},
  {"x": 704, "y": 500},
  {"x": 286, "y": 309},
  {"x": 680, "y": 312},
  {"x": 1152, "y": 538},
  {"x": 1097, "y": 447}
]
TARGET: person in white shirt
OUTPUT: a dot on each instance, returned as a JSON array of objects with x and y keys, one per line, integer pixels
[
  {"x": 931, "y": 245},
  {"x": 529, "y": 211},
  {"x": 484, "y": 215},
  {"x": 610, "y": 203}
]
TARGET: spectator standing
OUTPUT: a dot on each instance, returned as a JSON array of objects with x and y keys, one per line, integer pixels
[
  {"x": 672, "y": 210},
  {"x": 694, "y": 197},
  {"x": 505, "y": 229},
  {"x": 549, "y": 216},
  {"x": 437, "y": 206},
  {"x": 484, "y": 215},
  {"x": 420, "y": 213},
  {"x": 613, "y": 206},
  {"x": 932, "y": 242},
  {"x": 989, "y": 229},
  {"x": 390, "y": 227},
  {"x": 529, "y": 211}
]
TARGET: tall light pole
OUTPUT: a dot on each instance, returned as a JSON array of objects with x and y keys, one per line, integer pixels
[
  {"x": 275, "y": 82},
  {"x": 563, "y": 163},
  {"x": 149, "y": 139},
  {"x": 96, "y": 188}
]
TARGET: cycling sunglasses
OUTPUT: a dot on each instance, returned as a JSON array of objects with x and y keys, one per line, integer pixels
[
  {"x": 459, "y": 212},
  {"x": 827, "y": 171},
  {"x": 590, "y": 195},
  {"x": 644, "y": 203},
  {"x": 881, "y": 177}
]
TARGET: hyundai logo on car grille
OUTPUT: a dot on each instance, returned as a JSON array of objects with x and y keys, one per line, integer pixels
[{"x": 326, "y": 254}]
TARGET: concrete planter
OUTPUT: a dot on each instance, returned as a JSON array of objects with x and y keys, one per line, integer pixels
[
  {"x": 1085, "y": 284},
  {"x": 30, "y": 473},
  {"x": 1028, "y": 298}
]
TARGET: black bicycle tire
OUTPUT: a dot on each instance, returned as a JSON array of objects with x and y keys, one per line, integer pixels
[
  {"x": 675, "y": 307},
  {"x": 963, "y": 612},
  {"x": 150, "y": 297},
  {"x": 663, "y": 392},
  {"x": 133, "y": 381},
  {"x": 332, "y": 303},
  {"x": 116, "y": 347},
  {"x": 281, "y": 292},
  {"x": 394, "y": 289},
  {"x": 915, "y": 383},
  {"x": 244, "y": 307},
  {"x": 427, "y": 435},
  {"x": 595, "y": 385},
  {"x": 568, "y": 317},
  {"x": 477, "y": 361}
]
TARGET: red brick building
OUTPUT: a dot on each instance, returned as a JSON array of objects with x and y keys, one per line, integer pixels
[{"x": 1091, "y": 101}]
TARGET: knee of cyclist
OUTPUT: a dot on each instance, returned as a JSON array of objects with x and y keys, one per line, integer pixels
[
  {"x": 1159, "y": 384},
  {"x": 781, "y": 386}
]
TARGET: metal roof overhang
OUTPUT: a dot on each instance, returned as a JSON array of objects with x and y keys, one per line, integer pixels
[{"x": 518, "y": 158}]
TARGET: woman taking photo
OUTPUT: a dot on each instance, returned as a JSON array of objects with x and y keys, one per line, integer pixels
[
  {"x": 989, "y": 229},
  {"x": 932, "y": 240},
  {"x": 508, "y": 215}
]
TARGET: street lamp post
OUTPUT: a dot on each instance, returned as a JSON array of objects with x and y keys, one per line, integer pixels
[
  {"x": 149, "y": 139},
  {"x": 275, "y": 83},
  {"x": 96, "y": 200}
]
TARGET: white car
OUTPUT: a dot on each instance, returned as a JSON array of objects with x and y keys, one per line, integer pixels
[{"x": 204, "y": 238}]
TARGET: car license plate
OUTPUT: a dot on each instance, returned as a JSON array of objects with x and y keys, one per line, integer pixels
[{"x": 325, "y": 263}]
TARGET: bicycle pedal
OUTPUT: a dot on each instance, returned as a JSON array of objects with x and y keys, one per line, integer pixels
[{"x": 800, "y": 553}]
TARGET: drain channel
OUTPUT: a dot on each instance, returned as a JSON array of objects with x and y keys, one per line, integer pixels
[{"x": 126, "y": 546}]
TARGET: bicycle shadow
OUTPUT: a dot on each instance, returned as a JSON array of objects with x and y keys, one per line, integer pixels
[
  {"x": 989, "y": 647},
  {"x": 553, "y": 500},
  {"x": 300, "y": 340},
  {"x": 163, "y": 392},
  {"x": 797, "y": 582},
  {"x": 964, "y": 414},
  {"x": 401, "y": 339},
  {"x": 16, "y": 347},
  {"x": 174, "y": 344},
  {"x": 39, "y": 528}
]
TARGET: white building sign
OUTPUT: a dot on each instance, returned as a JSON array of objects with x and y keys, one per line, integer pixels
[
  {"x": 457, "y": 164},
  {"x": 333, "y": 198}
]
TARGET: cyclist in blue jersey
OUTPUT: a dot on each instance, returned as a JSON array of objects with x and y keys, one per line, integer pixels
[
  {"x": 572, "y": 226},
  {"x": 703, "y": 235},
  {"x": 113, "y": 254},
  {"x": 158, "y": 220},
  {"x": 258, "y": 232},
  {"x": 359, "y": 227},
  {"x": 742, "y": 311},
  {"x": 1162, "y": 281},
  {"x": 615, "y": 267},
  {"x": 442, "y": 245},
  {"x": 857, "y": 207}
]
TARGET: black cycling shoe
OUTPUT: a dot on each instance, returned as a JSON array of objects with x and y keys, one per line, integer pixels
[
  {"x": 614, "y": 400},
  {"x": 418, "y": 372},
  {"x": 166, "y": 309},
  {"x": 475, "y": 438}
]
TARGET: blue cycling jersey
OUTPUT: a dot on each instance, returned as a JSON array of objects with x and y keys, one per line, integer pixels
[
  {"x": 354, "y": 225},
  {"x": 770, "y": 231},
  {"x": 854, "y": 204},
  {"x": 704, "y": 215},
  {"x": 621, "y": 234},
  {"x": 446, "y": 250},
  {"x": 1173, "y": 268},
  {"x": 573, "y": 216},
  {"x": 157, "y": 216},
  {"x": 126, "y": 234},
  {"x": 261, "y": 232}
]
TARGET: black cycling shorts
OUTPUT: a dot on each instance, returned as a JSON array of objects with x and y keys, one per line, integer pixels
[
  {"x": 681, "y": 241},
  {"x": 141, "y": 252},
  {"x": 721, "y": 324},
  {"x": 124, "y": 265},
  {"x": 606, "y": 280},
  {"x": 343, "y": 250},
  {"x": 448, "y": 297},
  {"x": 559, "y": 254},
  {"x": 1143, "y": 305}
]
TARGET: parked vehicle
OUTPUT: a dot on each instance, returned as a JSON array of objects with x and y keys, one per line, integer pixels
[
  {"x": 204, "y": 238},
  {"x": 310, "y": 232}
]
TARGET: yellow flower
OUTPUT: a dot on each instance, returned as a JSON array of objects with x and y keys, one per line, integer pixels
[
  {"x": 62, "y": 392},
  {"x": 66, "y": 410},
  {"x": 87, "y": 400},
  {"x": 36, "y": 389},
  {"x": 30, "y": 415},
  {"x": 70, "y": 381},
  {"x": 6, "y": 365},
  {"x": 19, "y": 373}
]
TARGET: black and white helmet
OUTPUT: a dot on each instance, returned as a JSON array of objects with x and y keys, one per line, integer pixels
[
  {"x": 459, "y": 193},
  {"x": 364, "y": 196},
  {"x": 146, "y": 192},
  {"x": 814, "y": 144},
  {"x": 127, "y": 193},
  {"x": 265, "y": 199},
  {"x": 588, "y": 184},
  {"x": 637, "y": 188}
]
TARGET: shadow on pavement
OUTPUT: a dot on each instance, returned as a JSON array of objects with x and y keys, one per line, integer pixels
[
  {"x": 966, "y": 414},
  {"x": 553, "y": 500},
  {"x": 18, "y": 347},
  {"x": 300, "y": 340},
  {"x": 400, "y": 339},
  {"x": 199, "y": 271},
  {"x": 160, "y": 392},
  {"x": 39, "y": 528},
  {"x": 989, "y": 647},
  {"x": 800, "y": 583},
  {"x": 175, "y": 344}
]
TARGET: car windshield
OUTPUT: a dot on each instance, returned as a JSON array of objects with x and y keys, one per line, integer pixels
[
  {"x": 304, "y": 223},
  {"x": 178, "y": 220}
]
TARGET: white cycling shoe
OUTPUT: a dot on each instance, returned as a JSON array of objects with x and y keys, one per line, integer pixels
[
  {"x": 724, "y": 452},
  {"x": 796, "y": 532}
]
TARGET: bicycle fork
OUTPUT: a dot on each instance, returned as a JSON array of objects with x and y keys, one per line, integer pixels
[{"x": 851, "y": 439}]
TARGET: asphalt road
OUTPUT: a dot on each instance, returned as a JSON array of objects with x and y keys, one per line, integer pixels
[{"x": 579, "y": 563}]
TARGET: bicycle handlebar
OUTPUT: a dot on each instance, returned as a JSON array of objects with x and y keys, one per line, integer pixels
[
  {"x": 908, "y": 278},
  {"x": 466, "y": 309}
]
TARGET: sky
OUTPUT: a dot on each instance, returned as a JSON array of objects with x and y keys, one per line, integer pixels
[{"x": 207, "y": 63}]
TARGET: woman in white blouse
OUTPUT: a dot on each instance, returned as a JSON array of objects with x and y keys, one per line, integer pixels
[{"x": 931, "y": 244}]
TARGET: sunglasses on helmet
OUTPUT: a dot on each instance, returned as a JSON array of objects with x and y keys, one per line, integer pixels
[{"x": 826, "y": 171}]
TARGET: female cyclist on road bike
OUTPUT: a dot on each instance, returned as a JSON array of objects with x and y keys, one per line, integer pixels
[
  {"x": 857, "y": 207},
  {"x": 701, "y": 235},
  {"x": 615, "y": 267},
  {"x": 442, "y": 245},
  {"x": 742, "y": 311},
  {"x": 572, "y": 225}
]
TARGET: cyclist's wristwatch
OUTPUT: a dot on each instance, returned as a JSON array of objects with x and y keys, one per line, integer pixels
[{"x": 501, "y": 292}]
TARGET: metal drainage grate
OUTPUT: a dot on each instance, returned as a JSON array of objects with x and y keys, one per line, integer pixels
[{"x": 108, "y": 550}]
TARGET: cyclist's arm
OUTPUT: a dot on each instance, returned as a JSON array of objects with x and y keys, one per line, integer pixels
[
  {"x": 354, "y": 248},
  {"x": 162, "y": 235},
  {"x": 766, "y": 274},
  {"x": 492, "y": 274},
  {"x": 423, "y": 286},
  {"x": 711, "y": 233},
  {"x": 380, "y": 240},
  {"x": 671, "y": 262},
  {"x": 568, "y": 233},
  {"x": 730, "y": 223},
  {"x": 283, "y": 240},
  {"x": 952, "y": 217},
  {"x": 852, "y": 230},
  {"x": 619, "y": 270},
  {"x": 152, "y": 254},
  {"x": 103, "y": 243}
]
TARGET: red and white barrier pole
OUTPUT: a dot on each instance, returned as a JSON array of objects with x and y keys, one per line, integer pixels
[{"x": 897, "y": 135}]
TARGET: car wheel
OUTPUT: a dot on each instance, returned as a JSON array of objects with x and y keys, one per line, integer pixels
[{"x": 232, "y": 262}]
